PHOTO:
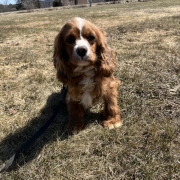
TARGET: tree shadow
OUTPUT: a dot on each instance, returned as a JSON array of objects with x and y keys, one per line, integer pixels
[{"x": 10, "y": 144}]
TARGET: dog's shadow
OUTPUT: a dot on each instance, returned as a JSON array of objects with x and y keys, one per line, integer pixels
[{"x": 10, "y": 144}]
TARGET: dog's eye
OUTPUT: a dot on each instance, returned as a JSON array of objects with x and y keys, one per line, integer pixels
[
  {"x": 70, "y": 40},
  {"x": 91, "y": 38}
]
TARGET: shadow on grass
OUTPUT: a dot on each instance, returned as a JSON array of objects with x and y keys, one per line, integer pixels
[{"x": 55, "y": 131}]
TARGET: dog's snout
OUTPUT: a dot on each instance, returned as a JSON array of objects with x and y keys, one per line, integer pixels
[{"x": 82, "y": 51}]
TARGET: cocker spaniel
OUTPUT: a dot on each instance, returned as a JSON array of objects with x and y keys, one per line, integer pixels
[{"x": 85, "y": 64}]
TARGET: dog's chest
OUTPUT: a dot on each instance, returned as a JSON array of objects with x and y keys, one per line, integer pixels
[{"x": 87, "y": 86}]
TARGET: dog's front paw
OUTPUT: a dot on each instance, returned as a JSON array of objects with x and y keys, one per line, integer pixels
[{"x": 112, "y": 123}]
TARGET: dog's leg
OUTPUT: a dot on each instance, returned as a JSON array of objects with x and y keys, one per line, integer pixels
[
  {"x": 111, "y": 113},
  {"x": 76, "y": 117}
]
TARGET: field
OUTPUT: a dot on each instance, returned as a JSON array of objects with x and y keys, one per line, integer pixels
[{"x": 146, "y": 39}]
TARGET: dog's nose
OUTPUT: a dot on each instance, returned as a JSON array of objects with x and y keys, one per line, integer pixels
[{"x": 82, "y": 51}]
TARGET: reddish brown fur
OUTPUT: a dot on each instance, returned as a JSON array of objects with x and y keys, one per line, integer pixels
[{"x": 102, "y": 83}]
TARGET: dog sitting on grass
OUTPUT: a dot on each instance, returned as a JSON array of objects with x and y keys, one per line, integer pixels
[{"x": 85, "y": 65}]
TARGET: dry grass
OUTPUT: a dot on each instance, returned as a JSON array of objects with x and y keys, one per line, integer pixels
[{"x": 146, "y": 39}]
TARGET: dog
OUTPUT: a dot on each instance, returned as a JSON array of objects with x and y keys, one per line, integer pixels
[{"x": 85, "y": 64}]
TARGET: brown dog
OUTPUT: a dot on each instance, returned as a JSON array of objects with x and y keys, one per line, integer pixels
[{"x": 85, "y": 64}]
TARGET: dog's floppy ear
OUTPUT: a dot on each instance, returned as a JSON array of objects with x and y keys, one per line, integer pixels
[
  {"x": 59, "y": 48},
  {"x": 60, "y": 58},
  {"x": 106, "y": 57}
]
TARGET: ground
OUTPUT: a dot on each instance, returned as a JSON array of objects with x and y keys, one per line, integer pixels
[{"x": 146, "y": 39}]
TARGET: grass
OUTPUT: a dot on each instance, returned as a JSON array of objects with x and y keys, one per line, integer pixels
[{"x": 146, "y": 39}]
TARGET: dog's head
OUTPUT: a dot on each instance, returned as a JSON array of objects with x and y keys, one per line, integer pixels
[{"x": 81, "y": 43}]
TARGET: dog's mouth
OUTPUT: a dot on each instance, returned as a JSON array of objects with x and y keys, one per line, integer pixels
[
  {"x": 88, "y": 71},
  {"x": 83, "y": 61}
]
